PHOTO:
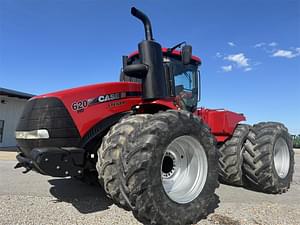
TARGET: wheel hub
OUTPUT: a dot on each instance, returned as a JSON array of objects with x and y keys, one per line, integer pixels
[
  {"x": 281, "y": 158},
  {"x": 184, "y": 169},
  {"x": 168, "y": 165}
]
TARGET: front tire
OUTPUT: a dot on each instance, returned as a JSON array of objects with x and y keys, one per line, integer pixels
[
  {"x": 269, "y": 158},
  {"x": 108, "y": 164},
  {"x": 168, "y": 145}
]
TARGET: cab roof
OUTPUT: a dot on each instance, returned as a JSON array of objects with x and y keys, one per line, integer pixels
[{"x": 175, "y": 53}]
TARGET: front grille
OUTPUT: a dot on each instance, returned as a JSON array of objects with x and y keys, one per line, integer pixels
[{"x": 50, "y": 114}]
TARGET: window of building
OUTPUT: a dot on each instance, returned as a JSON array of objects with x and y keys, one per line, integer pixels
[{"x": 1, "y": 130}]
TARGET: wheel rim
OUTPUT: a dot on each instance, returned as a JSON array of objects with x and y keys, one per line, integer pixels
[
  {"x": 281, "y": 158},
  {"x": 184, "y": 169}
]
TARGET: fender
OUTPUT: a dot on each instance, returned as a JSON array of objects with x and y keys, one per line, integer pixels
[
  {"x": 155, "y": 106},
  {"x": 101, "y": 128},
  {"x": 221, "y": 122}
]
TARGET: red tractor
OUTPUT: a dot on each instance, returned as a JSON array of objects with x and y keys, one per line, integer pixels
[{"x": 146, "y": 142}]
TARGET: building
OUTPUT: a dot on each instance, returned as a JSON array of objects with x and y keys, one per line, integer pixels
[{"x": 11, "y": 106}]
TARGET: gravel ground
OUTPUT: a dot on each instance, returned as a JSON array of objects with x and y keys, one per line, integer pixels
[
  {"x": 49, "y": 211},
  {"x": 41, "y": 200}
]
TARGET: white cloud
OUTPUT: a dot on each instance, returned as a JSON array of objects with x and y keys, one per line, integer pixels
[
  {"x": 239, "y": 59},
  {"x": 283, "y": 53},
  {"x": 227, "y": 68},
  {"x": 286, "y": 53},
  {"x": 219, "y": 55},
  {"x": 231, "y": 44},
  {"x": 273, "y": 44},
  {"x": 248, "y": 69},
  {"x": 259, "y": 45}
]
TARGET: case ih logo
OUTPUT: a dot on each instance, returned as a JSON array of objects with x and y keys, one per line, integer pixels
[
  {"x": 111, "y": 97},
  {"x": 80, "y": 105}
]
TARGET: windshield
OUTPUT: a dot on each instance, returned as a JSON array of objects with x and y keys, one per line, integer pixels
[{"x": 186, "y": 86}]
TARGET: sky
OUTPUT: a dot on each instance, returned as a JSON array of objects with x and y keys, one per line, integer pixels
[{"x": 250, "y": 49}]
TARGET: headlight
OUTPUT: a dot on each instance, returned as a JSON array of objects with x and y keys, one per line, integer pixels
[{"x": 34, "y": 134}]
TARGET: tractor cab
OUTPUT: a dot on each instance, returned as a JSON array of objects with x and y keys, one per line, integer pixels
[
  {"x": 165, "y": 73},
  {"x": 183, "y": 80}
]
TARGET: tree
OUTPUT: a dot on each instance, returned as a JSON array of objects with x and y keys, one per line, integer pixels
[{"x": 296, "y": 141}]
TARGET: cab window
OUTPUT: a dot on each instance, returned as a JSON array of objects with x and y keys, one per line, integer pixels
[{"x": 185, "y": 85}]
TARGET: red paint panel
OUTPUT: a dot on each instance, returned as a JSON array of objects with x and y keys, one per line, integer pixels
[
  {"x": 94, "y": 113},
  {"x": 222, "y": 122}
]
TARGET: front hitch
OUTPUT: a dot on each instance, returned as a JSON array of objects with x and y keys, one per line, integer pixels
[
  {"x": 54, "y": 161},
  {"x": 24, "y": 162}
]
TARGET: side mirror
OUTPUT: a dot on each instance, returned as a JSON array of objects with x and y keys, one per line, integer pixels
[
  {"x": 136, "y": 70},
  {"x": 186, "y": 54}
]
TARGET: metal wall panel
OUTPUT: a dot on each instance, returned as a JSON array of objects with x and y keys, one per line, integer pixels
[{"x": 10, "y": 112}]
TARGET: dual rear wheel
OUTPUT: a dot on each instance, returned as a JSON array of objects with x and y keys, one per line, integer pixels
[
  {"x": 269, "y": 158},
  {"x": 259, "y": 157}
]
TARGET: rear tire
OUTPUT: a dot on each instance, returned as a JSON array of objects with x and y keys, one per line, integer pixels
[
  {"x": 231, "y": 158},
  {"x": 146, "y": 169},
  {"x": 269, "y": 158}
]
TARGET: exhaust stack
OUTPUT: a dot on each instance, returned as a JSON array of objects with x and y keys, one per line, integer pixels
[
  {"x": 151, "y": 69},
  {"x": 147, "y": 24}
]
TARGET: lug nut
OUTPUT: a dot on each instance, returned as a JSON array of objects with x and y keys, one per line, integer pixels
[{"x": 57, "y": 167}]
